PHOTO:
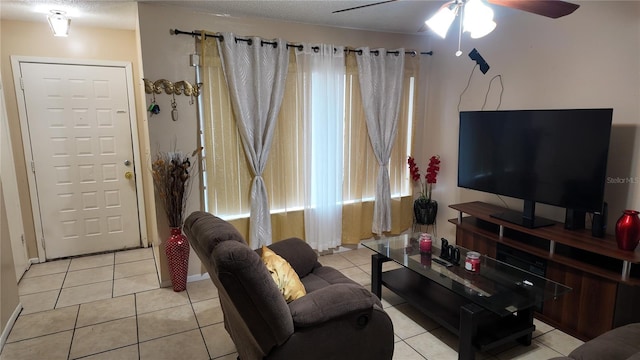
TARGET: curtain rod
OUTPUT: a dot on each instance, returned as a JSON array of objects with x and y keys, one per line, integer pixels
[{"x": 289, "y": 45}]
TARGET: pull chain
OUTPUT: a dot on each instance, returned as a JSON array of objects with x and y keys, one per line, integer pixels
[{"x": 460, "y": 18}]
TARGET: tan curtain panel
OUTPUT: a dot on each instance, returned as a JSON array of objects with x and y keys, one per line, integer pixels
[
  {"x": 228, "y": 178},
  {"x": 361, "y": 166}
]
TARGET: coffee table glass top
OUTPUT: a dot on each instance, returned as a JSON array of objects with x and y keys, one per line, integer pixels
[{"x": 497, "y": 286}]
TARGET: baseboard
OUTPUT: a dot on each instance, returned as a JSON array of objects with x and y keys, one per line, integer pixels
[
  {"x": 9, "y": 326},
  {"x": 193, "y": 278},
  {"x": 34, "y": 261},
  {"x": 190, "y": 278}
]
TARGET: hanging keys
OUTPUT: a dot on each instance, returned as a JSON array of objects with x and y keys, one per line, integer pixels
[{"x": 153, "y": 109}]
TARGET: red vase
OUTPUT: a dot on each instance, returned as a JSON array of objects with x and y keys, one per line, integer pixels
[
  {"x": 628, "y": 230},
  {"x": 177, "y": 250}
]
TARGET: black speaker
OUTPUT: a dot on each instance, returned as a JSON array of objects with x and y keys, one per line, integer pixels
[
  {"x": 574, "y": 219},
  {"x": 599, "y": 222}
]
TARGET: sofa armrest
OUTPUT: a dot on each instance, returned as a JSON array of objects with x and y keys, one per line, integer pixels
[{"x": 330, "y": 302}]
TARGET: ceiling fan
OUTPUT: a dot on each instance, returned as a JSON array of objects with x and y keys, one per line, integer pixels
[
  {"x": 477, "y": 17},
  {"x": 549, "y": 8},
  {"x": 481, "y": 16}
]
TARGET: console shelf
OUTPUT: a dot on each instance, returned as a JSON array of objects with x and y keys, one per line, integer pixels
[{"x": 605, "y": 280}]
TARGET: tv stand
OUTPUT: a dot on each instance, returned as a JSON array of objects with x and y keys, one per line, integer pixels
[
  {"x": 526, "y": 218},
  {"x": 518, "y": 218},
  {"x": 605, "y": 280}
]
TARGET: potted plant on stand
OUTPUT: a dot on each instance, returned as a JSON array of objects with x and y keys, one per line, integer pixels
[
  {"x": 425, "y": 209},
  {"x": 172, "y": 180}
]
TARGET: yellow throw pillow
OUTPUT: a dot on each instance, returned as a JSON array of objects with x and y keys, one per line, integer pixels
[{"x": 283, "y": 274}]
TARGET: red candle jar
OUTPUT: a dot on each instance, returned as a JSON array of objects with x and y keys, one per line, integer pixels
[
  {"x": 425, "y": 260},
  {"x": 425, "y": 243},
  {"x": 472, "y": 262}
]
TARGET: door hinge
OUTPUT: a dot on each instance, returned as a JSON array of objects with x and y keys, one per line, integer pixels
[
  {"x": 33, "y": 167},
  {"x": 21, "y": 83},
  {"x": 22, "y": 239},
  {"x": 42, "y": 241}
]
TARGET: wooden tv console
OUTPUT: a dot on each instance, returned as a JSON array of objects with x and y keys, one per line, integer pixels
[{"x": 605, "y": 280}]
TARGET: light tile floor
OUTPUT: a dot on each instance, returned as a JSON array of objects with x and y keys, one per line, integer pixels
[{"x": 110, "y": 307}]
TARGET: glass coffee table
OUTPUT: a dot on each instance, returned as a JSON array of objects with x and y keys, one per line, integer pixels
[{"x": 486, "y": 308}]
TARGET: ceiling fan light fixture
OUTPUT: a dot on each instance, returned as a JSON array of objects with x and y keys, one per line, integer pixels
[
  {"x": 483, "y": 30},
  {"x": 442, "y": 20},
  {"x": 59, "y": 23},
  {"x": 478, "y": 19}
]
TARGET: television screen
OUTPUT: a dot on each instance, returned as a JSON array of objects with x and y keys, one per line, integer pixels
[{"x": 555, "y": 157}]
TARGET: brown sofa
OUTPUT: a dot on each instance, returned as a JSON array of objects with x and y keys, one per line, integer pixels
[
  {"x": 622, "y": 343},
  {"x": 336, "y": 319}
]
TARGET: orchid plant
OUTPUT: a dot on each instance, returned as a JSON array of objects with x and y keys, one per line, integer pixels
[{"x": 430, "y": 177}]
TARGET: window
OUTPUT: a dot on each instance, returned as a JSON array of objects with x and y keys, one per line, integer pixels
[{"x": 228, "y": 177}]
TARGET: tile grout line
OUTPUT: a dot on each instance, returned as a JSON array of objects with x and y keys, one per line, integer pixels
[
  {"x": 412, "y": 348},
  {"x": 199, "y": 327},
  {"x": 73, "y": 333},
  {"x": 113, "y": 283},
  {"x": 55, "y": 305},
  {"x": 135, "y": 308}
]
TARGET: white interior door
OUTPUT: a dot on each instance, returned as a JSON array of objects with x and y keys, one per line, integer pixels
[{"x": 80, "y": 134}]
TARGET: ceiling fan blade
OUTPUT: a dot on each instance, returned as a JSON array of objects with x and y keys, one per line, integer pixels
[
  {"x": 549, "y": 8},
  {"x": 363, "y": 6}
]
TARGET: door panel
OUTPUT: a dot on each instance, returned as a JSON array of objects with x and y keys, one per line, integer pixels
[{"x": 80, "y": 135}]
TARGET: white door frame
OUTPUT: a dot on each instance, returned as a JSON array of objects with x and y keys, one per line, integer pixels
[
  {"x": 11, "y": 199},
  {"x": 26, "y": 140}
]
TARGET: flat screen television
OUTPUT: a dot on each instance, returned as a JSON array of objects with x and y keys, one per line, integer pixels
[{"x": 555, "y": 157}]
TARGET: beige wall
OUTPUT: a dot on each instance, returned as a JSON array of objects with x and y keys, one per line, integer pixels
[
  {"x": 9, "y": 299},
  {"x": 35, "y": 39},
  {"x": 588, "y": 59},
  {"x": 8, "y": 288}
]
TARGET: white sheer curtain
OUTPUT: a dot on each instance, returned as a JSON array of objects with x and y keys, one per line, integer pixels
[
  {"x": 255, "y": 72},
  {"x": 381, "y": 76},
  {"x": 321, "y": 79}
]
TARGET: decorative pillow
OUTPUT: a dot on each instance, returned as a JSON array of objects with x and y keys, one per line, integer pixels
[{"x": 283, "y": 274}]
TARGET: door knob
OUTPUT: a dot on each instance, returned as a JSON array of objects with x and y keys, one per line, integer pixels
[{"x": 128, "y": 175}]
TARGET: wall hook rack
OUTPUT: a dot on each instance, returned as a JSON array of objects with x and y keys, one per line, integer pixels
[{"x": 178, "y": 88}]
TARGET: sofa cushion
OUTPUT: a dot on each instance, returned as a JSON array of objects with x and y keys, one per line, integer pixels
[
  {"x": 619, "y": 343},
  {"x": 283, "y": 274},
  {"x": 324, "y": 276},
  {"x": 298, "y": 253},
  {"x": 330, "y": 302}
]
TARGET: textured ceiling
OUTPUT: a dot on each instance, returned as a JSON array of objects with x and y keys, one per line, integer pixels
[
  {"x": 109, "y": 14},
  {"x": 403, "y": 16}
]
